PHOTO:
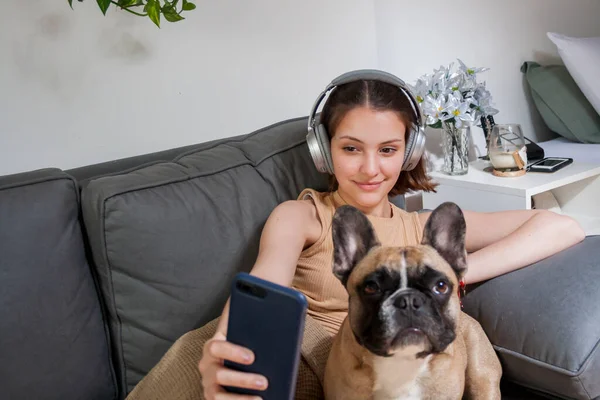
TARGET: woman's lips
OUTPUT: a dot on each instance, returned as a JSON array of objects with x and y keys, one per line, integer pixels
[{"x": 369, "y": 186}]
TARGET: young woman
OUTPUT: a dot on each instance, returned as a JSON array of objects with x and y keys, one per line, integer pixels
[{"x": 368, "y": 124}]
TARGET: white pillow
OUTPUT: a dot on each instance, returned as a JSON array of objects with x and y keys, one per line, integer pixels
[{"x": 582, "y": 59}]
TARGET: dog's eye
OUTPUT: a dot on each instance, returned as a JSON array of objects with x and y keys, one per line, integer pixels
[
  {"x": 441, "y": 288},
  {"x": 371, "y": 288}
]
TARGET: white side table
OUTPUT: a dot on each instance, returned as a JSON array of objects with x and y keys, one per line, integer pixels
[{"x": 576, "y": 188}]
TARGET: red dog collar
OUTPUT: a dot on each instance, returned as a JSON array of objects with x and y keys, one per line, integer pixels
[{"x": 462, "y": 291}]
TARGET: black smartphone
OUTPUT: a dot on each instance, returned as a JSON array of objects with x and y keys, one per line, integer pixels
[
  {"x": 269, "y": 320},
  {"x": 549, "y": 164}
]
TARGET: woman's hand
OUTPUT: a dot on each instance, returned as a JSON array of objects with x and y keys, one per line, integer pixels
[{"x": 215, "y": 375}]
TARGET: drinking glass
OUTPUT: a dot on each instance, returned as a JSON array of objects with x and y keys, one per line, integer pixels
[{"x": 507, "y": 150}]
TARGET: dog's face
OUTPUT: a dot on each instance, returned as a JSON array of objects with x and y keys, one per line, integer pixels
[{"x": 401, "y": 298}]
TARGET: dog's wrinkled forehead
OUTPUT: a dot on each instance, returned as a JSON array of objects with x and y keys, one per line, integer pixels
[
  {"x": 355, "y": 242},
  {"x": 404, "y": 262}
]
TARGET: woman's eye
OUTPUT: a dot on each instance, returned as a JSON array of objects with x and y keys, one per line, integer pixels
[
  {"x": 350, "y": 149},
  {"x": 441, "y": 288},
  {"x": 388, "y": 150},
  {"x": 371, "y": 288}
]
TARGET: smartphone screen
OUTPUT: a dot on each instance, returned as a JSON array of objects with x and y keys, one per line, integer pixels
[{"x": 550, "y": 162}]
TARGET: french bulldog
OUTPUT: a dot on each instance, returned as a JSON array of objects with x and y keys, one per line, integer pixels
[{"x": 405, "y": 336}]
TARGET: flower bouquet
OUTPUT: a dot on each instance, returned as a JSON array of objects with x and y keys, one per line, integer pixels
[{"x": 451, "y": 99}]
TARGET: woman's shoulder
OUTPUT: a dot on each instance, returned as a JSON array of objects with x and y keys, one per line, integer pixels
[
  {"x": 300, "y": 209},
  {"x": 300, "y": 215}
]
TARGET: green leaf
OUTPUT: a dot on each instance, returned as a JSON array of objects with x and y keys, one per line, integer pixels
[
  {"x": 153, "y": 9},
  {"x": 128, "y": 3},
  {"x": 70, "y": 3},
  {"x": 437, "y": 125},
  {"x": 103, "y": 5},
  {"x": 187, "y": 6},
  {"x": 170, "y": 13}
]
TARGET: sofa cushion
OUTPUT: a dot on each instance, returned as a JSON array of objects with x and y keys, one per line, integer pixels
[
  {"x": 543, "y": 321},
  {"x": 561, "y": 103},
  {"x": 53, "y": 343},
  {"x": 168, "y": 238}
]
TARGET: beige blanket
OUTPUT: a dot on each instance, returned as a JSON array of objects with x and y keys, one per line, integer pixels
[{"x": 176, "y": 376}]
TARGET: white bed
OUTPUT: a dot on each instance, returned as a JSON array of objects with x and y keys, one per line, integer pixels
[{"x": 580, "y": 152}]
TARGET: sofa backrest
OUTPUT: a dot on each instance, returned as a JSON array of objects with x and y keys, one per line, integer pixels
[
  {"x": 53, "y": 342},
  {"x": 168, "y": 238}
]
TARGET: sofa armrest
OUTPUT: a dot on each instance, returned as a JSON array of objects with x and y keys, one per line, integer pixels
[{"x": 543, "y": 321}]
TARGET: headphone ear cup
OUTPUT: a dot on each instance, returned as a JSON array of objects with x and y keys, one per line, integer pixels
[
  {"x": 408, "y": 149},
  {"x": 315, "y": 151},
  {"x": 415, "y": 146},
  {"x": 323, "y": 140}
]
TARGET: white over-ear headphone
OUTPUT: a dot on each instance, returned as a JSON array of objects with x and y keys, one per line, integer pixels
[{"x": 318, "y": 139}]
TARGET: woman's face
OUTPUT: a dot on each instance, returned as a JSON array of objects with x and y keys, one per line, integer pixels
[{"x": 367, "y": 150}]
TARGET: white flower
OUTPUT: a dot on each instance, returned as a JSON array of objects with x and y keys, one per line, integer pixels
[
  {"x": 471, "y": 71},
  {"x": 422, "y": 88},
  {"x": 482, "y": 100},
  {"x": 453, "y": 95},
  {"x": 432, "y": 108},
  {"x": 481, "y": 93},
  {"x": 459, "y": 111},
  {"x": 441, "y": 82}
]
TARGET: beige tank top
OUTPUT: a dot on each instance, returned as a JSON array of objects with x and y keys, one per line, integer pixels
[{"x": 327, "y": 297}]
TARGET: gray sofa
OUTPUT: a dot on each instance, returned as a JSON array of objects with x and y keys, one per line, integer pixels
[{"x": 103, "y": 267}]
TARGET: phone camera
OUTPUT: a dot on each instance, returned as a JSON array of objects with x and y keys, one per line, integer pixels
[{"x": 251, "y": 290}]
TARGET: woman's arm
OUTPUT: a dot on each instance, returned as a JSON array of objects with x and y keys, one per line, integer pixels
[
  {"x": 504, "y": 241},
  {"x": 292, "y": 226}
]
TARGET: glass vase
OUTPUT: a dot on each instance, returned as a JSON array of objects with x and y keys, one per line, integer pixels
[{"x": 456, "y": 148}]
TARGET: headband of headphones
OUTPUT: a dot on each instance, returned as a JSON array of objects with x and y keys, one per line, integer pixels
[{"x": 368, "y": 74}]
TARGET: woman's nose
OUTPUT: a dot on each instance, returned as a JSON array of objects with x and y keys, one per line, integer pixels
[{"x": 370, "y": 166}]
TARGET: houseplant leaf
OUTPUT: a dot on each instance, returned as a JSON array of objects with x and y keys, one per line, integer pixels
[
  {"x": 153, "y": 9},
  {"x": 187, "y": 6},
  {"x": 103, "y": 5},
  {"x": 129, "y": 3},
  {"x": 170, "y": 13}
]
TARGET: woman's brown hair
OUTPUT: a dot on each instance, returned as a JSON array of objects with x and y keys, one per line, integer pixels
[{"x": 378, "y": 96}]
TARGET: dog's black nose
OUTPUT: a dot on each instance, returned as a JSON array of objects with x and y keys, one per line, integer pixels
[{"x": 409, "y": 300}]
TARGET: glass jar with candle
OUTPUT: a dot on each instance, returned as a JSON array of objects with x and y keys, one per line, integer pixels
[{"x": 507, "y": 150}]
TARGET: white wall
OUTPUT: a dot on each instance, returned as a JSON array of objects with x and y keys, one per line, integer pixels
[
  {"x": 78, "y": 88},
  {"x": 413, "y": 39}
]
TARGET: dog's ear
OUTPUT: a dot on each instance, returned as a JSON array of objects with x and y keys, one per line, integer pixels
[
  {"x": 353, "y": 237},
  {"x": 445, "y": 231}
]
